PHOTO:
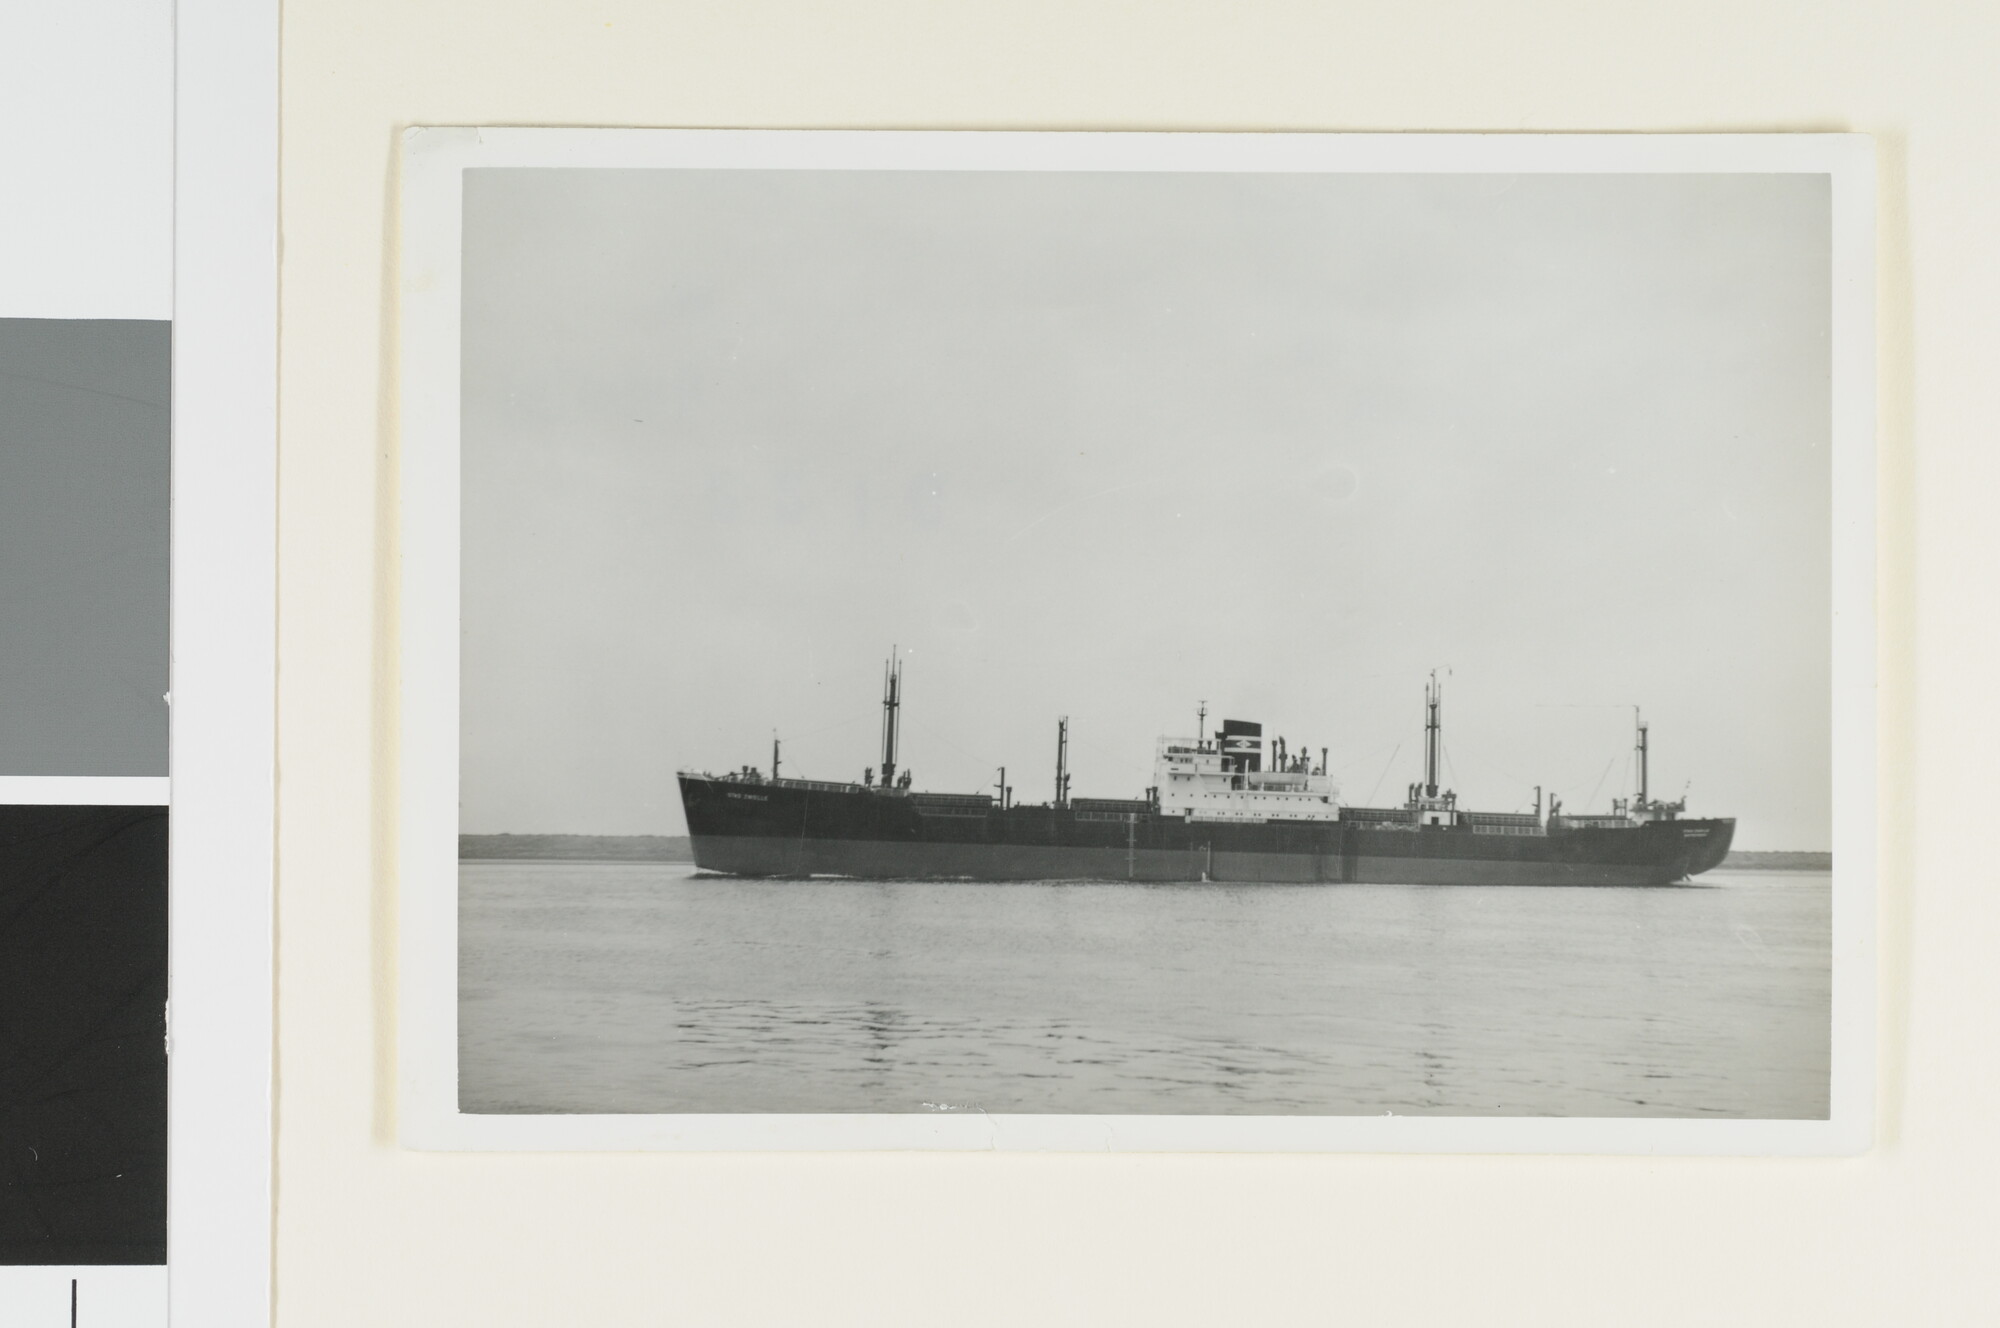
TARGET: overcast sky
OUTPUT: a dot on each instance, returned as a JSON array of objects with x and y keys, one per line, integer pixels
[{"x": 1108, "y": 445}]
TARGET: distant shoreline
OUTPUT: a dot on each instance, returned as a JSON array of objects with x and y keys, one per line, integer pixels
[
  {"x": 576, "y": 848},
  {"x": 1766, "y": 860},
  {"x": 675, "y": 848}
]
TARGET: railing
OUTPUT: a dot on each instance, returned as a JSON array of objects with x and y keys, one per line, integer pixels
[
  {"x": 952, "y": 804},
  {"x": 1379, "y": 815},
  {"x": 1501, "y": 818},
  {"x": 1120, "y": 805},
  {"x": 819, "y": 785},
  {"x": 1591, "y": 823}
]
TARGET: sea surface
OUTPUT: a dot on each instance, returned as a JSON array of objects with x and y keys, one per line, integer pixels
[{"x": 645, "y": 987}]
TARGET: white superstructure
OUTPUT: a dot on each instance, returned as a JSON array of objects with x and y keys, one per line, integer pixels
[{"x": 1224, "y": 780}]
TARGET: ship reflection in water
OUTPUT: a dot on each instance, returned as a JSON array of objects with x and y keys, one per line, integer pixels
[{"x": 629, "y": 987}]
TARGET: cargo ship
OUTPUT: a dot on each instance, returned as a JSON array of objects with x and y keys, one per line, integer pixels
[{"x": 1224, "y": 806}]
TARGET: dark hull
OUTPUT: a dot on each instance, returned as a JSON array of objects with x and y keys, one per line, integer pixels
[{"x": 790, "y": 829}]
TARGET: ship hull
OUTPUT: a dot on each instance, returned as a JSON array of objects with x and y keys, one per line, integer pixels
[{"x": 790, "y": 829}]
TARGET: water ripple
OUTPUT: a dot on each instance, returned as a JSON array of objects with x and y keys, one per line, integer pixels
[{"x": 641, "y": 988}]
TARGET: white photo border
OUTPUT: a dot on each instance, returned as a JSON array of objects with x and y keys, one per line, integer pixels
[
  {"x": 222, "y": 725},
  {"x": 434, "y": 160}
]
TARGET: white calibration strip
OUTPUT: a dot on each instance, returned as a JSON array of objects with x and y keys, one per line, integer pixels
[
  {"x": 83, "y": 791},
  {"x": 84, "y": 1296}
]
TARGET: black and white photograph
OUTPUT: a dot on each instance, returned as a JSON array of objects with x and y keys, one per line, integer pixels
[{"x": 1144, "y": 642}]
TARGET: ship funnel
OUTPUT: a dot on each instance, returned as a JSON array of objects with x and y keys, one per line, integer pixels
[{"x": 1242, "y": 745}]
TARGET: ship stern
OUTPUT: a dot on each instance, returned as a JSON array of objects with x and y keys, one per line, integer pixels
[{"x": 1706, "y": 843}]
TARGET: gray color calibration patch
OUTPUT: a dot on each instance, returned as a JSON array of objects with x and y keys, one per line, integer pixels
[{"x": 83, "y": 546}]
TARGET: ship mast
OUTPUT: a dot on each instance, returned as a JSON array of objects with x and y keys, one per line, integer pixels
[
  {"x": 1062, "y": 762},
  {"x": 1641, "y": 749},
  {"x": 892, "y": 701},
  {"x": 1433, "y": 695}
]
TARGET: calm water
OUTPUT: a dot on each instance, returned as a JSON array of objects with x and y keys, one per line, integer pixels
[{"x": 600, "y": 987}]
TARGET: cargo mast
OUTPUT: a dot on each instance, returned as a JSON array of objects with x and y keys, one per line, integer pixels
[
  {"x": 1062, "y": 762},
  {"x": 1433, "y": 694},
  {"x": 892, "y": 701},
  {"x": 1641, "y": 750}
]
